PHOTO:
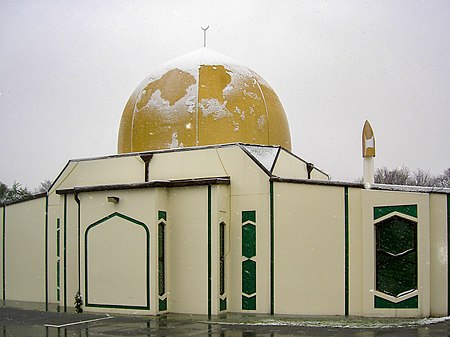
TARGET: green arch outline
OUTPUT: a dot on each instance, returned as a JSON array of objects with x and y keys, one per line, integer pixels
[{"x": 147, "y": 259}]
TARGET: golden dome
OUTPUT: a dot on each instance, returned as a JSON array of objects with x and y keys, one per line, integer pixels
[{"x": 202, "y": 98}]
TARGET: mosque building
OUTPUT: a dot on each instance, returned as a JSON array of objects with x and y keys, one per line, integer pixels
[{"x": 205, "y": 210}]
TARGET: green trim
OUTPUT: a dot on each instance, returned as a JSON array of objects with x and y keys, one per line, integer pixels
[
  {"x": 410, "y": 303},
  {"x": 222, "y": 258},
  {"x": 161, "y": 259},
  {"x": 411, "y": 210},
  {"x": 272, "y": 250},
  {"x": 58, "y": 280},
  {"x": 78, "y": 201},
  {"x": 248, "y": 240},
  {"x": 46, "y": 253},
  {"x": 347, "y": 240},
  {"x": 137, "y": 222},
  {"x": 3, "y": 254},
  {"x": 249, "y": 277},
  {"x": 58, "y": 237},
  {"x": 248, "y": 250},
  {"x": 248, "y": 216},
  {"x": 223, "y": 304},
  {"x": 249, "y": 303},
  {"x": 162, "y": 304},
  {"x": 209, "y": 252},
  {"x": 448, "y": 254},
  {"x": 65, "y": 252},
  {"x": 162, "y": 215}
]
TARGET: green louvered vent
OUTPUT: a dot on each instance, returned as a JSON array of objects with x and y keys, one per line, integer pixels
[{"x": 249, "y": 260}]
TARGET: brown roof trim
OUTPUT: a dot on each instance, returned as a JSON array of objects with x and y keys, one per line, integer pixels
[{"x": 149, "y": 184}]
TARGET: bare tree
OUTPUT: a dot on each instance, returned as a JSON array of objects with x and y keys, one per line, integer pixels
[
  {"x": 43, "y": 186},
  {"x": 444, "y": 179},
  {"x": 398, "y": 176},
  {"x": 403, "y": 176},
  {"x": 421, "y": 177}
]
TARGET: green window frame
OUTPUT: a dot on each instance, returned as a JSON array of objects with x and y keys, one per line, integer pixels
[{"x": 396, "y": 256}]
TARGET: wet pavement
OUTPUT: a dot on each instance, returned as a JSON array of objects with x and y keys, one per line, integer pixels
[{"x": 20, "y": 322}]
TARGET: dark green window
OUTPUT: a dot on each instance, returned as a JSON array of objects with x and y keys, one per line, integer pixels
[
  {"x": 249, "y": 263},
  {"x": 161, "y": 259},
  {"x": 396, "y": 256},
  {"x": 222, "y": 258}
]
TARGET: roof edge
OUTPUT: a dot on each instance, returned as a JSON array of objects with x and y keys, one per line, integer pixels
[{"x": 149, "y": 184}]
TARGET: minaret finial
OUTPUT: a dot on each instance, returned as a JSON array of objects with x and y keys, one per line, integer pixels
[
  {"x": 368, "y": 153},
  {"x": 204, "y": 35}
]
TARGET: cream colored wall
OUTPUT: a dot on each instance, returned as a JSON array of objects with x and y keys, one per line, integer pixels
[
  {"x": 186, "y": 164},
  {"x": 125, "y": 250},
  {"x": 71, "y": 281},
  {"x": 25, "y": 251},
  {"x": 438, "y": 255},
  {"x": 246, "y": 176},
  {"x": 55, "y": 211},
  {"x": 220, "y": 212},
  {"x": 317, "y": 175},
  {"x": 355, "y": 248},
  {"x": 249, "y": 190},
  {"x": 116, "y": 170},
  {"x": 371, "y": 199},
  {"x": 127, "y": 247},
  {"x": 288, "y": 166},
  {"x": 309, "y": 249},
  {"x": 258, "y": 203},
  {"x": 187, "y": 243},
  {"x": 161, "y": 204}
]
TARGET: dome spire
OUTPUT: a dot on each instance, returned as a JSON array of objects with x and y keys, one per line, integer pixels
[{"x": 204, "y": 35}]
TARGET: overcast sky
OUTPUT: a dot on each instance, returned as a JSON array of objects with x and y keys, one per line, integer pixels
[{"x": 67, "y": 68}]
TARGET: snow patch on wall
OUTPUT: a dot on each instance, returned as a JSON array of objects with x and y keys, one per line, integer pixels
[
  {"x": 190, "y": 103},
  {"x": 174, "y": 143},
  {"x": 251, "y": 95},
  {"x": 213, "y": 107},
  {"x": 261, "y": 122}
]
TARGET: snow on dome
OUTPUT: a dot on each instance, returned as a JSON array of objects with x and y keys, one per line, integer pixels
[{"x": 204, "y": 98}]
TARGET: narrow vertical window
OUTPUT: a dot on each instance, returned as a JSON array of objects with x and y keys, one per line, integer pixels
[
  {"x": 58, "y": 259},
  {"x": 161, "y": 259},
  {"x": 222, "y": 257},
  {"x": 222, "y": 285},
  {"x": 162, "y": 292}
]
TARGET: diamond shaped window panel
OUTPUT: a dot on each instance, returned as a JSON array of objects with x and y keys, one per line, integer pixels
[{"x": 396, "y": 256}]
